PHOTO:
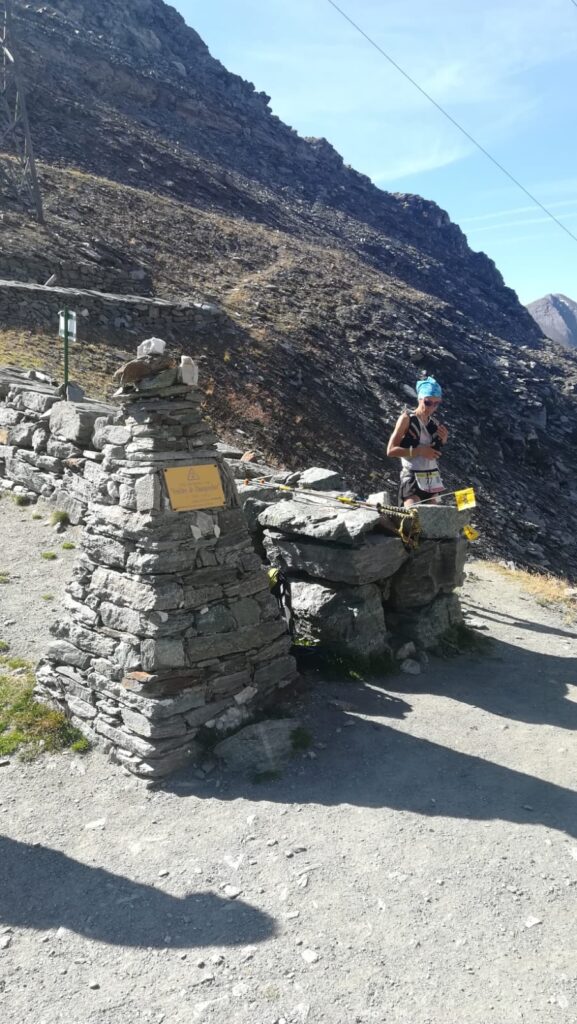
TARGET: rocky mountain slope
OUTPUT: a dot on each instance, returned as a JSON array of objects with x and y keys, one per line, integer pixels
[
  {"x": 556, "y": 315},
  {"x": 337, "y": 294}
]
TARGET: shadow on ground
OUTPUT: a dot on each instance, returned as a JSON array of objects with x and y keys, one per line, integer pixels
[
  {"x": 43, "y": 888},
  {"x": 377, "y": 765}
]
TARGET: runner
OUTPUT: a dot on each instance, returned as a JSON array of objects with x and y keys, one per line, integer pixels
[{"x": 417, "y": 441}]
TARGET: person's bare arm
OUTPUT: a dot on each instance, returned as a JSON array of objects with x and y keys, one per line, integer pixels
[{"x": 394, "y": 450}]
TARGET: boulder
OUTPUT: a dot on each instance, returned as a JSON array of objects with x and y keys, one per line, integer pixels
[
  {"x": 452, "y": 557},
  {"x": 345, "y": 619},
  {"x": 434, "y": 566},
  {"x": 425, "y": 626},
  {"x": 378, "y": 558},
  {"x": 317, "y": 479},
  {"x": 74, "y": 422},
  {"x": 442, "y": 521},
  {"x": 321, "y": 522},
  {"x": 262, "y": 747},
  {"x": 21, "y": 434},
  {"x": 249, "y": 470},
  {"x": 418, "y": 581},
  {"x": 380, "y": 498}
]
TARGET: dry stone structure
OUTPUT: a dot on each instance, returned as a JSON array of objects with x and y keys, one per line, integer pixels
[
  {"x": 170, "y": 627},
  {"x": 26, "y": 304},
  {"x": 355, "y": 587}
]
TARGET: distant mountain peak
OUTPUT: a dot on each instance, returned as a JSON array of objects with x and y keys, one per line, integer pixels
[{"x": 556, "y": 315}]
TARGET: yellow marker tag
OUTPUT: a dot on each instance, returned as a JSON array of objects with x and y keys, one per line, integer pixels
[
  {"x": 471, "y": 533},
  {"x": 465, "y": 498}
]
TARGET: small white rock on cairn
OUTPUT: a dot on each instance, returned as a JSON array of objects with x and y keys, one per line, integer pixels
[{"x": 169, "y": 625}]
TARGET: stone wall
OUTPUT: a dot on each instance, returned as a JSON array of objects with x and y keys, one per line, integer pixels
[
  {"x": 33, "y": 306},
  {"x": 77, "y": 273},
  {"x": 47, "y": 445}
]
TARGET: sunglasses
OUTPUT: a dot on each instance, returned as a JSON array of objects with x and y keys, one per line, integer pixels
[{"x": 432, "y": 401}]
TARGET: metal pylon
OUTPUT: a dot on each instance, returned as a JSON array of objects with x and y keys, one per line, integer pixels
[{"x": 18, "y": 171}]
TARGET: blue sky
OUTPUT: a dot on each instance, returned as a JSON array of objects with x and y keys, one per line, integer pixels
[{"x": 505, "y": 69}]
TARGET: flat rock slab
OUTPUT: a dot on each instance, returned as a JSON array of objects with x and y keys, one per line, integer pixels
[
  {"x": 321, "y": 522},
  {"x": 262, "y": 747},
  {"x": 74, "y": 421},
  {"x": 320, "y": 479},
  {"x": 377, "y": 559}
]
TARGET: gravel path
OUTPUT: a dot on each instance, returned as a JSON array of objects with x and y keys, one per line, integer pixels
[{"x": 419, "y": 865}]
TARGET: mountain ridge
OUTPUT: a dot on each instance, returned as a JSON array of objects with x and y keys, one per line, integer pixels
[{"x": 337, "y": 294}]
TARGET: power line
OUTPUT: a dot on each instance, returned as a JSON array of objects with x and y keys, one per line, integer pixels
[{"x": 453, "y": 121}]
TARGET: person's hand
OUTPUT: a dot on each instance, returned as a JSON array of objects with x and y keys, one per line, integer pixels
[
  {"x": 443, "y": 433},
  {"x": 426, "y": 452}
]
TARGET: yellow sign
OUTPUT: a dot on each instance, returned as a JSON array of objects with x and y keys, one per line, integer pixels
[
  {"x": 471, "y": 533},
  {"x": 194, "y": 487},
  {"x": 465, "y": 498}
]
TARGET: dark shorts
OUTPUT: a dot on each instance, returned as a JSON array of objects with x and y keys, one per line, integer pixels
[{"x": 409, "y": 488}]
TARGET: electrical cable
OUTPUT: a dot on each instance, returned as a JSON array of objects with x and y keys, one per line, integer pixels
[{"x": 453, "y": 121}]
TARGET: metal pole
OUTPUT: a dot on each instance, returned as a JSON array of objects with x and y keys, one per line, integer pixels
[{"x": 66, "y": 353}]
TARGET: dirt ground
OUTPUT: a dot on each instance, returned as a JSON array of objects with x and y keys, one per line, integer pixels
[{"x": 417, "y": 865}]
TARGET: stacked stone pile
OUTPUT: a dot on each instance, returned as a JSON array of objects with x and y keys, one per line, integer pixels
[
  {"x": 354, "y": 585},
  {"x": 170, "y": 626},
  {"x": 45, "y": 442}
]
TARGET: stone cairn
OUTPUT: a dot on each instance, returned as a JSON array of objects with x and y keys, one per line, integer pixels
[
  {"x": 170, "y": 627},
  {"x": 355, "y": 587}
]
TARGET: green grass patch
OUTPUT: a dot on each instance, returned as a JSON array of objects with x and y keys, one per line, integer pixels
[
  {"x": 80, "y": 746},
  {"x": 68, "y": 545},
  {"x": 13, "y": 663},
  {"x": 60, "y": 518},
  {"x": 4, "y": 576},
  {"x": 47, "y": 597},
  {"x": 37, "y": 515},
  {"x": 21, "y": 500},
  {"x": 4, "y": 646},
  {"x": 26, "y": 726},
  {"x": 49, "y": 556}
]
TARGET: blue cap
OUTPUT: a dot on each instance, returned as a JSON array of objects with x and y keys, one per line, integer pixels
[{"x": 428, "y": 388}]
